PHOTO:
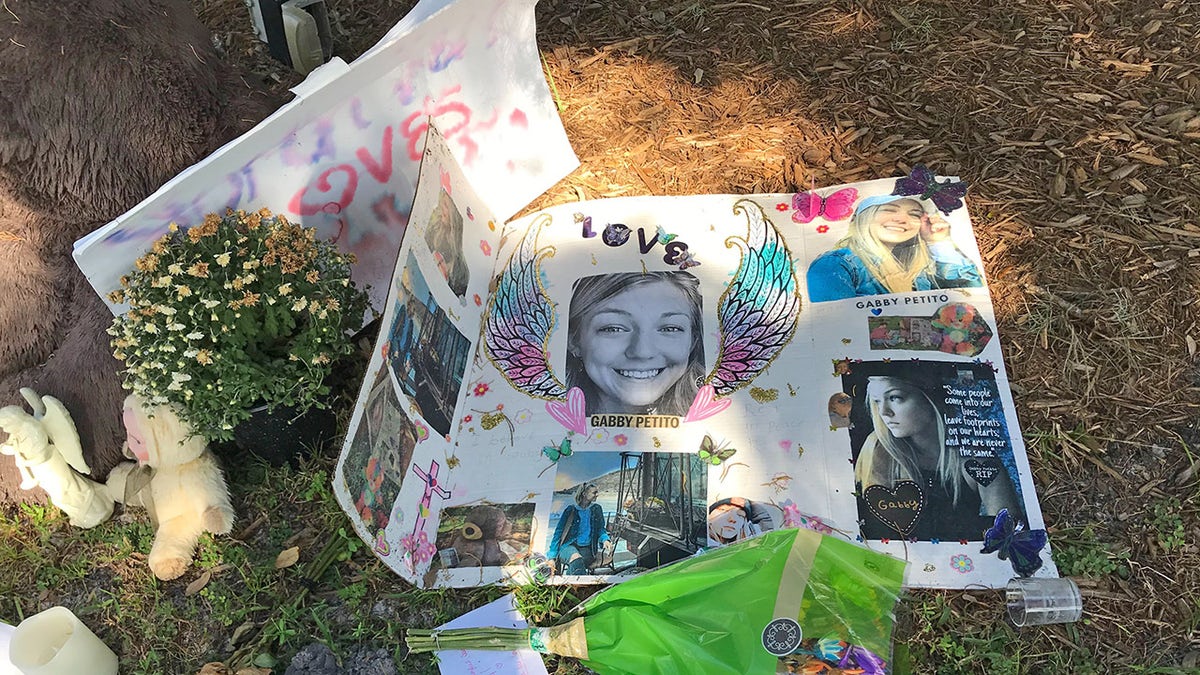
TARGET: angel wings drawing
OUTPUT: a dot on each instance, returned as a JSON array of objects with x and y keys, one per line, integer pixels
[{"x": 644, "y": 354}]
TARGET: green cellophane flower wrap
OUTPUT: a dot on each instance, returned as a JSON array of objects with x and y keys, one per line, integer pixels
[{"x": 734, "y": 610}]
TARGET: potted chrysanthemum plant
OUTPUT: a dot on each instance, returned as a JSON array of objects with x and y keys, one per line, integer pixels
[{"x": 243, "y": 314}]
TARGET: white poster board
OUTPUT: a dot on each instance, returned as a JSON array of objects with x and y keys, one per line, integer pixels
[
  {"x": 603, "y": 387},
  {"x": 343, "y": 156}
]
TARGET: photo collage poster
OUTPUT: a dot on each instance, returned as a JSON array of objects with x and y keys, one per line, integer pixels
[{"x": 604, "y": 387}]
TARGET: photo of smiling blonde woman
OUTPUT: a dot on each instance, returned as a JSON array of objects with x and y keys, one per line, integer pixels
[
  {"x": 894, "y": 245},
  {"x": 634, "y": 342}
]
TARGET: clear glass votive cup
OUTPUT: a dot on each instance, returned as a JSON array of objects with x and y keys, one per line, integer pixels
[{"x": 1043, "y": 600}]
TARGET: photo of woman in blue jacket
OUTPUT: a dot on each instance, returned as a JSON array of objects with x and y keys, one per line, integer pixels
[
  {"x": 894, "y": 246},
  {"x": 580, "y": 535}
]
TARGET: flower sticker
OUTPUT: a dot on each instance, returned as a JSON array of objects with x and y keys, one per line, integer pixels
[
  {"x": 523, "y": 416},
  {"x": 598, "y": 435},
  {"x": 791, "y": 514},
  {"x": 961, "y": 563},
  {"x": 792, "y": 517},
  {"x": 485, "y": 247},
  {"x": 478, "y": 300},
  {"x": 480, "y": 389},
  {"x": 620, "y": 440},
  {"x": 782, "y": 206},
  {"x": 822, "y": 228}
]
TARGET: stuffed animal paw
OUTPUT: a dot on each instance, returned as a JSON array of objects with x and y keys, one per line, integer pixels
[{"x": 167, "y": 566}]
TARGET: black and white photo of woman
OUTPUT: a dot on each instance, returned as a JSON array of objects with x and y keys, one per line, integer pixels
[
  {"x": 635, "y": 342},
  {"x": 444, "y": 235},
  {"x": 907, "y": 442}
]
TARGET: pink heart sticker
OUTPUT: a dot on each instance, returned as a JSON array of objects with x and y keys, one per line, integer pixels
[
  {"x": 570, "y": 414},
  {"x": 381, "y": 544},
  {"x": 705, "y": 405}
]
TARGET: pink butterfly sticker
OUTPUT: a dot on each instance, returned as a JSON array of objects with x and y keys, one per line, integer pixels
[
  {"x": 809, "y": 205},
  {"x": 570, "y": 414},
  {"x": 705, "y": 405}
]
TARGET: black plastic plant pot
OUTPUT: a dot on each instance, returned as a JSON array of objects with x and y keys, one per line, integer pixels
[{"x": 285, "y": 435}]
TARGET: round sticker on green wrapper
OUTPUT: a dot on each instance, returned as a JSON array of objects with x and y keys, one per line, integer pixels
[{"x": 782, "y": 636}]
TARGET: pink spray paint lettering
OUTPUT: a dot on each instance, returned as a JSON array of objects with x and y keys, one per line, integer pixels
[
  {"x": 307, "y": 208},
  {"x": 453, "y": 118}
]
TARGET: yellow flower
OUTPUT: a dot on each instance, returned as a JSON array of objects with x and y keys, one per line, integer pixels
[
  {"x": 321, "y": 358},
  {"x": 285, "y": 289},
  {"x": 223, "y": 259},
  {"x": 173, "y": 227},
  {"x": 299, "y": 305},
  {"x": 117, "y": 296},
  {"x": 312, "y": 277},
  {"x": 204, "y": 357},
  {"x": 175, "y": 268},
  {"x": 147, "y": 263},
  {"x": 183, "y": 291},
  {"x": 199, "y": 270}
]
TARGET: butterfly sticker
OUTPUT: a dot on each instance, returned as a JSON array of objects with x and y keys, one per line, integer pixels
[
  {"x": 923, "y": 184},
  {"x": 712, "y": 453},
  {"x": 684, "y": 259},
  {"x": 1011, "y": 541},
  {"x": 556, "y": 453},
  {"x": 808, "y": 206},
  {"x": 663, "y": 237}
]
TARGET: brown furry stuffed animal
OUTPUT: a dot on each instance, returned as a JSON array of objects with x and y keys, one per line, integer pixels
[
  {"x": 477, "y": 542},
  {"x": 185, "y": 492},
  {"x": 101, "y": 102}
]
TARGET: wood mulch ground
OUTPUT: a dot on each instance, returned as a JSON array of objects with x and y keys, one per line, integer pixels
[{"x": 1076, "y": 124}]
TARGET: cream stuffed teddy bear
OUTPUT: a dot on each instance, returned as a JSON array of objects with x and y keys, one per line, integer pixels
[{"x": 175, "y": 477}]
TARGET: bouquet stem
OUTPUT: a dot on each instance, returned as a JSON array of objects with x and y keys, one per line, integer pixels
[
  {"x": 491, "y": 639},
  {"x": 566, "y": 639}
]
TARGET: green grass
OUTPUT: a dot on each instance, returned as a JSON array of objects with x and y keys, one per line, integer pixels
[{"x": 248, "y": 610}]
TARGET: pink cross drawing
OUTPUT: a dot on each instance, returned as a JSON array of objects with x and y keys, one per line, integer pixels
[{"x": 431, "y": 487}]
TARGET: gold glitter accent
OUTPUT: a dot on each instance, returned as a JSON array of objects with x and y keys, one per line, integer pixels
[{"x": 763, "y": 395}]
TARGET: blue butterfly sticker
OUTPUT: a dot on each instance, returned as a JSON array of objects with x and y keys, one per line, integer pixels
[{"x": 1011, "y": 541}]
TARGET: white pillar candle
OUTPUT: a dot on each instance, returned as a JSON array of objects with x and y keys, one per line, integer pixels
[
  {"x": 55, "y": 642},
  {"x": 6, "y": 666}
]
